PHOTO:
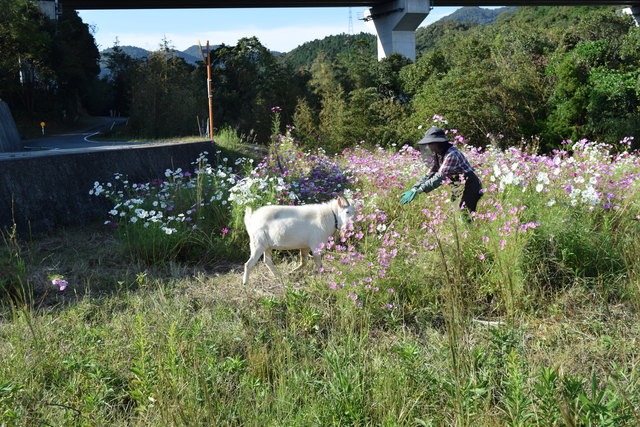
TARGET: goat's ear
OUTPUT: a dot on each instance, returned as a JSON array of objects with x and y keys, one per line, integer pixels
[{"x": 342, "y": 202}]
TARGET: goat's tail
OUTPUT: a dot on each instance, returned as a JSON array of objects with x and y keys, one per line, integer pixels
[{"x": 247, "y": 216}]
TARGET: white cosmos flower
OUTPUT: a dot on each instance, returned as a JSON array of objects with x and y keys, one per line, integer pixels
[
  {"x": 141, "y": 213},
  {"x": 543, "y": 177},
  {"x": 590, "y": 196}
]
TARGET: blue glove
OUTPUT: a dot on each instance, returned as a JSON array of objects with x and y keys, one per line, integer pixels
[{"x": 408, "y": 196}]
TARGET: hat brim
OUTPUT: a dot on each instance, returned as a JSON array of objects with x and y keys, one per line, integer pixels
[{"x": 432, "y": 140}]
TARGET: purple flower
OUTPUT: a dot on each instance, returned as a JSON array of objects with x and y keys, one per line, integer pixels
[{"x": 60, "y": 283}]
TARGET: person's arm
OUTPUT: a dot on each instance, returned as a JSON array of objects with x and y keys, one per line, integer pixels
[
  {"x": 429, "y": 183},
  {"x": 433, "y": 179}
]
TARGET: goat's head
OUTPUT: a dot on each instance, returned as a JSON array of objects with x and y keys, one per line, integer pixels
[{"x": 346, "y": 211}]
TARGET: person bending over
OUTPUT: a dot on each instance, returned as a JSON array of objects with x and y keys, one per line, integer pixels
[{"x": 448, "y": 162}]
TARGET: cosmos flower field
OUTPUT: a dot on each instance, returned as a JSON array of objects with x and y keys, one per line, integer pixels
[{"x": 544, "y": 222}]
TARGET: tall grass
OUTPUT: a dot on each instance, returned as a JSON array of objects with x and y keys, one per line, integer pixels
[
  {"x": 12, "y": 265},
  {"x": 525, "y": 315}
]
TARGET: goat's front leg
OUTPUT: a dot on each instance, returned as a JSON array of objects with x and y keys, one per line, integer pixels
[
  {"x": 317, "y": 258},
  {"x": 304, "y": 253}
]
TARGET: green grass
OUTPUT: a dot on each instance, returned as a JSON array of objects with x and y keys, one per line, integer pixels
[{"x": 129, "y": 345}]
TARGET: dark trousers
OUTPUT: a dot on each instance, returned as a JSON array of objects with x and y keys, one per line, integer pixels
[{"x": 471, "y": 192}]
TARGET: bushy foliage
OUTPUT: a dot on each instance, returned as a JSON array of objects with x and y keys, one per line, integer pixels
[
  {"x": 177, "y": 216},
  {"x": 186, "y": 214},
  {"x": 248, "y": 81},
  {"x": 331, "y": 46}
]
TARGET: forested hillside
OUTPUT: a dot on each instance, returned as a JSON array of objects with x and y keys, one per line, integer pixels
[
  {"x": 331, "y": 47},
  {"x": 533, "y": 74},
  {"x": 478, "y": 15}
]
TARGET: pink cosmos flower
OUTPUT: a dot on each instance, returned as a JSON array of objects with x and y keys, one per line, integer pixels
[{"x": 60, "y": 283}]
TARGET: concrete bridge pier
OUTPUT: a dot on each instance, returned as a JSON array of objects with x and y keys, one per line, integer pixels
[
  {"x": 395, "y": 23},
  {"x": 635, "y": 12},
  {"x": 49, "y": 8}
]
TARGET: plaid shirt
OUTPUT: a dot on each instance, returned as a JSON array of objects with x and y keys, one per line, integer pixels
[{"x": 452, "y": 164}]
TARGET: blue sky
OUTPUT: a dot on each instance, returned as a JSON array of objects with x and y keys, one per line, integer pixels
[{"x": 279, "y": 29}]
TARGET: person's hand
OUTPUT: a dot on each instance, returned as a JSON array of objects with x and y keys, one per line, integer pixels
[{"x": 408, "y": 196}]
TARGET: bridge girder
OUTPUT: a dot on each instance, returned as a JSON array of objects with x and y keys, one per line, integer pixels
[{"x": 221, "y": 4}]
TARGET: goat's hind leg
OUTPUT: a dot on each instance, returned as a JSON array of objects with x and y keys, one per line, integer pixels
[
  {"x": 269, "y": 261},
  {"x": 256, "y": 253},
  {"x": 304, "y": 254}
]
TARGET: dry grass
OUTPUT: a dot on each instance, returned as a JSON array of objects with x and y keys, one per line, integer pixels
[{"x": 96, "y": 264}]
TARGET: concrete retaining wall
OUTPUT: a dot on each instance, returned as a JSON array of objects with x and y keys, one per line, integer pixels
[
  {"x": 43, "y": 192},
  {"x": 9, "y": 135}
]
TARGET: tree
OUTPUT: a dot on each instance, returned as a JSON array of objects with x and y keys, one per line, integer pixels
[
  {"x": 595, "y": 92},
  {"x": 74, "y": 58},
  {"x": 46, "y": 68},
  {"x": 121, "y": 68},
  {"x": 165, "y": 96},
  {"x": 25, "y": 38},
  {"x": 248, "y": 82}
]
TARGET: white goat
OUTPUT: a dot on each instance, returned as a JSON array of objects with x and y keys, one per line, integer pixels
[{"x": 304, "y": 227}]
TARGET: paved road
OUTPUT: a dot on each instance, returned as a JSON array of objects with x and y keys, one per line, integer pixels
[{"x": 72, "y": 142}]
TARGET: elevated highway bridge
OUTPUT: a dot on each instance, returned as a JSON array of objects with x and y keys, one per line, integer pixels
[{"x": 394, "y": 21}]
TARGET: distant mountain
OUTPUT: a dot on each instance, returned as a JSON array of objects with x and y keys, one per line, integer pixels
[
  {"x": 132, "y": 51},
  {"x": 191, "y": 55},
  {"x": 194, "y": 52},
  {"x": 461, "y": 20}
]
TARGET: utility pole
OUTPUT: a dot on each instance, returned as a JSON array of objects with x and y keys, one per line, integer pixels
[{"x": 206, "y": 56}]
